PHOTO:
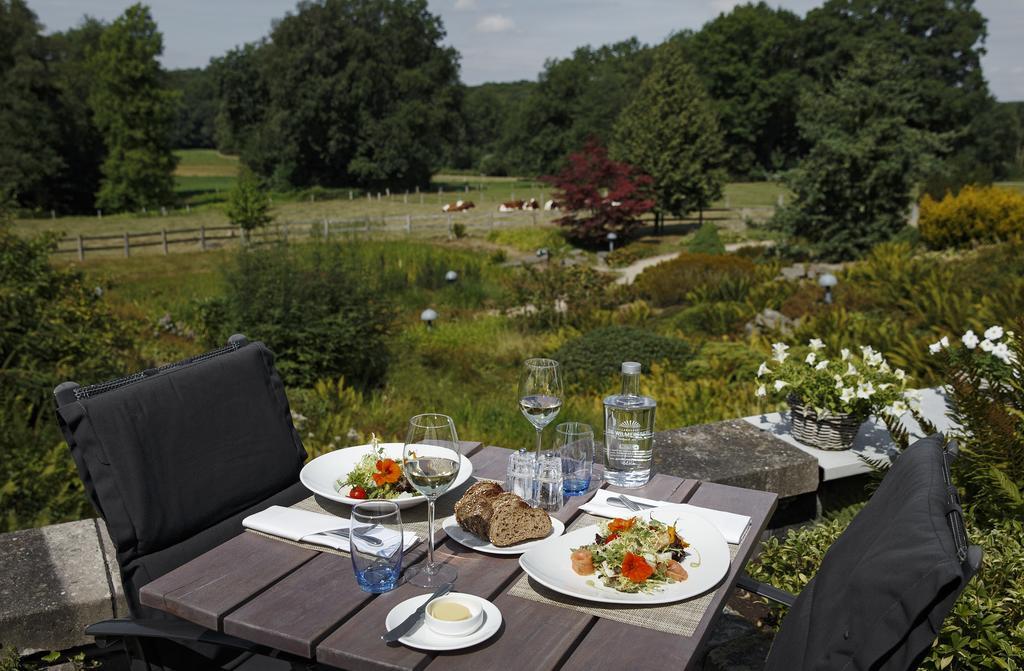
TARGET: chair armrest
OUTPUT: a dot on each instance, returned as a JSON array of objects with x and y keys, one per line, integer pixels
[
  {"x": 747, "y": 583},
  {"x": 175, "y": 630}
]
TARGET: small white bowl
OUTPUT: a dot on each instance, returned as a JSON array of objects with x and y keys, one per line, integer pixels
[{"x": 455, "y": 627}]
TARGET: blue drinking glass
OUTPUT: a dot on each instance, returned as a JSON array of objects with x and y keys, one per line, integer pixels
[
  {"x": 575, "y": 444},
  {"x": 377, "y": 545}
]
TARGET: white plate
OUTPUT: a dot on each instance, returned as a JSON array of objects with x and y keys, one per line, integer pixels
[
  {"x": 460, "y": 535},
  {"x": 321, "y": 475},
  {"x": 548, "y": 563},
  {"x": 423, "y": 637}
]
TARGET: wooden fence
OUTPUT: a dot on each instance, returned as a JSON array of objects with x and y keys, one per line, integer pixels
[{"x": 212, "y": 237}]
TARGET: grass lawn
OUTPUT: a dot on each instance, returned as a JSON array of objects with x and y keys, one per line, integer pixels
[{"x": 205, "y": 163}]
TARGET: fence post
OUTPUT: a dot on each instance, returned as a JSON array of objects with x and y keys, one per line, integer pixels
[
  {"x": 163, "y": 211},
  {"x": 99, "y": 214},
  {"x": 350, "y": 195},
  {"x": 440, "y": 192},
  {"x": 53, "y": 214},
  {"x": 163, "y": 239},
  {"x": 369, "y": 198},
  {"x": 533, "y": 215},
  {"x": 81, "y": 248},
  {"x": 127, "y": 246},
  {"x": 451, "y": 234},
  {"x": 202, "y": 238},
  {"x": 387, "y": 190},
  {"x": 378, "y": 196},
  {"x": 408, "y": 223}
]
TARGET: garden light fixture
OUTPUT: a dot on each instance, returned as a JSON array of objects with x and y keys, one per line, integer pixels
[
  {"x": 428, "y": 317},
  {"x": 450, "y": 277},
  {"x": 611, "y": 241},
  {"x": 827, "y": 281}
]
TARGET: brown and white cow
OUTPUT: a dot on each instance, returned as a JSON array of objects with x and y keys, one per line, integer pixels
[
  {"x": 511, "y": 206},
  {"x": 458, "y": 206}
]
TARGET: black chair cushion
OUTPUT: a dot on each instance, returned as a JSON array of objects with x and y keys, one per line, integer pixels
[
  {"x": 886, "y": 584},
  {"x": 182, "y": 449}
]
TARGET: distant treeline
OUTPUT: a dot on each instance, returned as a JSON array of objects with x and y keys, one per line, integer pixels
[{"x": 363, "y": 93}]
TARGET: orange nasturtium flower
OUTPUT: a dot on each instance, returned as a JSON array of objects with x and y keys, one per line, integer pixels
[
  {"x": 636, "y": 568},
  {"x": 619, "y": 524},
  {"x": 388, "y": 472}
]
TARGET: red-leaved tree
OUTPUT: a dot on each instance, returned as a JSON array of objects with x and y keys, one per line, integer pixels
[{"x": 599, "y": 195}]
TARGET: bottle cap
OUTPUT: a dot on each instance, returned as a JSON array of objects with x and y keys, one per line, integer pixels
[{"x": 630, "y": 367}]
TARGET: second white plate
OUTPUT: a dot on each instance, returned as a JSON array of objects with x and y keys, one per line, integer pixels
[{"x": 463, "y": 537}]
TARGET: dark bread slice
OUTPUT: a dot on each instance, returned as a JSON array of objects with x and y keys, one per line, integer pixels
[
  {"x": 473, "y": 511},
  {"x": 516, "y": 522}
]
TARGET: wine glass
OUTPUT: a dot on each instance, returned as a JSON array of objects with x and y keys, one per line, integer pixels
[
  {"x": 540, "y": 397},
  {"x": 431, "y": 460}
]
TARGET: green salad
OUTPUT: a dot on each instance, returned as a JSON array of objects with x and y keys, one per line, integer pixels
[
  {"x": 375, "y": 477},
  {"x": 633, "y": 555}
]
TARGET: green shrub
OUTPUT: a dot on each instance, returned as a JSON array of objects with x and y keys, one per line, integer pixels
[
  {"x": 318, "y": 307},
  {"x": 550, "y": 295},
  {"x": 594, "y": 359},
  {"x": 714, "y": 319},
  {"x": 706, "y": 240},
  {"x": 976, "y": 214},
  {"x": 712, "y": 277},
  {"x": 985, "y": 629}
]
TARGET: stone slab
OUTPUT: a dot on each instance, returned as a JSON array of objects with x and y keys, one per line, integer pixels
[
  {"x": 735, "y": 453},
  {"x": 872, "y": 441},
  {"x": 53, "y": 583}
]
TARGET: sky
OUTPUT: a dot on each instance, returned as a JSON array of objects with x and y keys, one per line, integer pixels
[{"x": 505, "y": 40}]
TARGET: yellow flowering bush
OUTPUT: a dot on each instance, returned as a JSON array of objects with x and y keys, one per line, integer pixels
[{"x": 976, "y": 214}]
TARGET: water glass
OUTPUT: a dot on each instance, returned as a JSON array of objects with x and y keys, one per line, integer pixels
[
  {"x": 575, "y": 444},
  {"x": 520, "y": 474},
  {"x": 377, "y": 567},
  {"x": 549, "y": 482}
]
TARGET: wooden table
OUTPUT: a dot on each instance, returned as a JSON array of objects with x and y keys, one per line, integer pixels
[{"x": 307, "y": 603}]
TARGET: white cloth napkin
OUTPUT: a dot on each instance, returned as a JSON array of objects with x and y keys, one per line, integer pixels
[
  {"x": 309, "y": 527},
  {"x": 730, "y": 525}
]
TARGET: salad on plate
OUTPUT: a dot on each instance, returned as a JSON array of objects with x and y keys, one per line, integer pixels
[
  {"x": 375, "y": 476},
  {"x": 633, "y": 555}
]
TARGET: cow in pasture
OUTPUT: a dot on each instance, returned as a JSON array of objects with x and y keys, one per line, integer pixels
[
  {"x": 511, "y": 206},
  {"x": 552, "y": 205},
  {"x": 458, "y": 206},
  {"x": 531, "y": 204}
]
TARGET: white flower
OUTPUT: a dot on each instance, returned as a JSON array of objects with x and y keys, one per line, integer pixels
[
  {"x": 994, "y": 332},
  {"x": 897, "y": 409},
  {"x": 885, "y": 385},
  {"x": 937, "y": 347},
  {"x": 846, "y": 353},
  {"x": 816, "y": 344},
  {"x": 761, "y": 391},
  {"x": 865, "y": 390},
  {"x": 987, "y": 345},
  {"x": 822, "y": 365},
  {"x": 779, "y": 384},
  {"x": 839, "y": 381},
  {"x": 884, "y": 367},
  {"x": 763, "y": 369},
  {"x": 850, "y": 370},
  {"x": 811, "y": 358},
  {"x": 970, "y": 340},
  {"x": 900, "y": 374},
  {"x": 1002, "y": 352},
  {"x": 779, "y": 352},
  {"x": 944, "y": 341},
  {"x": 847, "y": 395}
]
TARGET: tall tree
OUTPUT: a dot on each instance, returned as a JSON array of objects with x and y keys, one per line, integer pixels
[
  {"x": 575, "y": 99},
  {"x": 196, "y": 114},
  {"x": 28, "y": 126},
  {"x": 671, "y": 133},
  {"x": 854, "y": 188},
  {"x": 749, "y": 61},
  {"x": 359, "y": 91},
  {"x": 242, "y": 96},
  {"x": 134, "y": 112}
]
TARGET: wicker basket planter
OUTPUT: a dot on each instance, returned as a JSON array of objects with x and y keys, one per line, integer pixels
[{"x": 827, "y": 431}]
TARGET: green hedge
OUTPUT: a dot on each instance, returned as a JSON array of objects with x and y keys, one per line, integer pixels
[{"x": 594, "y": 359}]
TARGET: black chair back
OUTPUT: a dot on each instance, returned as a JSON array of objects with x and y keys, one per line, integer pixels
[
  {"x": 173, "y": 458},
  {"x": 886, "y": 584}
]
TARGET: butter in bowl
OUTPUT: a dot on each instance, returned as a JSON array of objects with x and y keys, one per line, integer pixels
[{"x": 454, "y": 615}]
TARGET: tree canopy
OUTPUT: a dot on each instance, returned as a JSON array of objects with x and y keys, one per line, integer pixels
[
  {"x": 134, "y": 113},
  {"x": 670, "y": 132}
]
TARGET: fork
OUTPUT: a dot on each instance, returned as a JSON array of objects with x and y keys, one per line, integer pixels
[{"x": 626, "y": 502}]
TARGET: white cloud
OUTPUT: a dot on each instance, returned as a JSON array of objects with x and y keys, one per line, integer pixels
[
  {"x": 495, "y": 23},
  {"x": 465, "y": 5}
]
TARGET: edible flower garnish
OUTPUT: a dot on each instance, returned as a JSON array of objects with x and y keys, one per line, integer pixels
[
  {"x": 388, "y": 471},
  {"x": 635, "y": 568}
]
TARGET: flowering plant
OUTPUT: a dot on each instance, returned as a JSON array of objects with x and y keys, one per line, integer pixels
[{"x": 854, "y": 384}]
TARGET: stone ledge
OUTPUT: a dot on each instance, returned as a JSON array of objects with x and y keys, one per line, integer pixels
[
  {"x": 56, "y": 580},
  {"x": 736, "y": 453}
]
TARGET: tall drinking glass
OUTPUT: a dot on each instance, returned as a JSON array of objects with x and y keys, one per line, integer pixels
[
  {"x": 540, "y": 398},
  {"x": 377, "y": 564},
  {"x": 575, "y": 444},
  {"x": 431, "y": 460}
]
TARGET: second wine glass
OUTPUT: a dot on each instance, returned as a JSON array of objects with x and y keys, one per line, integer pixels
[
  {"x": 431, "y": 460},
  {"x": 540, "y": 398}
]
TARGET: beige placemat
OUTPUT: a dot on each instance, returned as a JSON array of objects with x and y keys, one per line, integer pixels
[
  {"x": 679, "y": 618},
  {"x": 413, "y": 519}
]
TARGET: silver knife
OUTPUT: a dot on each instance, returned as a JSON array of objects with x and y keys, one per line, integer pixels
[{"x": 411, "y": 621}]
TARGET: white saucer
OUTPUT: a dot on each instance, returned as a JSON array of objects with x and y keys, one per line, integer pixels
[
  {"x": 423, "y": 637},
  {"x": 463, "y": 537}
]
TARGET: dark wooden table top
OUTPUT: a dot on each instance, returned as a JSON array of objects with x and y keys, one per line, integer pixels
[{"x": 307, "y": 603}]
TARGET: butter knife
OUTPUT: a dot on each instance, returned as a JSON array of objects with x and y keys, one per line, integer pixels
[{"x": 408, "y": 623}]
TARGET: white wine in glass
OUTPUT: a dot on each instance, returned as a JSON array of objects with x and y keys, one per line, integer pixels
[
  {"x": 431, "y": 459},
  {"x": 540, "y": 398}
]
